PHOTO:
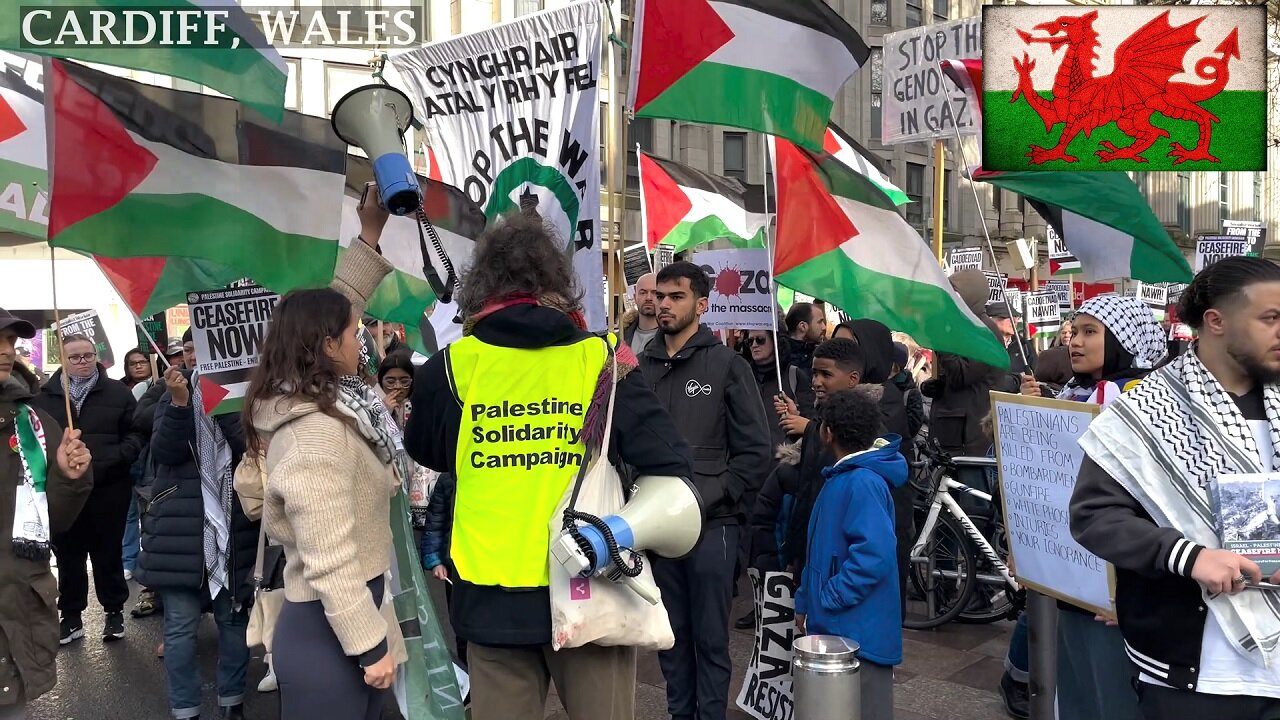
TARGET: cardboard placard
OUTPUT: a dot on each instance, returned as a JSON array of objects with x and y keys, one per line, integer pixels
[
  {"x": 767, "y": 692},
  {"x": 89, "y": 324},
  {"x": 1039, "y": 455},
  {"x": 741, "y": 294},
  {"x": 228, "y": 328},
  {"x": 964, "y": 259}
]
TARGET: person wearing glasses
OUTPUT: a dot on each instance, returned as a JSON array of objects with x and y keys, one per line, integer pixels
[{"x": 102, "y": 410}]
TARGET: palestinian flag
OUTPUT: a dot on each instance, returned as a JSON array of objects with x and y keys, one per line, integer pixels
[
  {"x": 24, "y": 202},
  {"x": 1102, "y": 217},
  {"x": 773, "y": 66},
  {"x": 847, "y": 150},
  {"x": 242, "y": 65},
  {"x": 1104, "y": 221},
  {"x": 684, "y": 208},
  {"x": 405, "y": 295},
  {"x": 841, "y": 238},
  {"x": 142, "y": 171}
]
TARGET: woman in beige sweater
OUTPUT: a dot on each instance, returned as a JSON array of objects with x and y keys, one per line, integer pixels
[{"x": 323, "y": 449}]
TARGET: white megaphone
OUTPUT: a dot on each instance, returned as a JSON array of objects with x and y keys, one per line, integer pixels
[
  {"x": 664, "y": 517},
  {"x": 375, "y": 118}
]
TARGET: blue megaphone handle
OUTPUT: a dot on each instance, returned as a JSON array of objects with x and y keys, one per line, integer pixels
[
  {"x": 622, "y": 535},
  {"x": 397, "y": 185}
]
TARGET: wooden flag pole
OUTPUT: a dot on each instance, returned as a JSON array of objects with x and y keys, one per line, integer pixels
[
  {"x": 939, "y": 194},
  {"x": 57, "y": 330},
  {"x": 616, "y": 161}
]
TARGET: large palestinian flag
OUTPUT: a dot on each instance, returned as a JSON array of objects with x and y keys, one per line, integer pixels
[
  {"x": 24, "y": 202},
  {"x": 773, "y": 66},
  {"x": 684, "y": 208},
  {"x": 1102, "y": 217},
  {"x": 242, "y": 64},
  {"x": 841, "y": 238},
  {"x": 144, "y": 171}
]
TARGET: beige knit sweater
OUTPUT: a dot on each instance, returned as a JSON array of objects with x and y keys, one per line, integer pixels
[{"x": 328, "y": 496}]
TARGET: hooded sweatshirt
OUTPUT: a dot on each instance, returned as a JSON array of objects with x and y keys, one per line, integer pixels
[{"x": 849, "y": 587}]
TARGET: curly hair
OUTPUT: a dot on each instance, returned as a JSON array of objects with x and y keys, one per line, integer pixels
[
  {"x": 853, "y": 416},
  {"x": 293, "y": 363},
  {"x": 846, "y": 354},
  {"x": 1222, "y": 284},
  {"x": 520, "y": 255}
]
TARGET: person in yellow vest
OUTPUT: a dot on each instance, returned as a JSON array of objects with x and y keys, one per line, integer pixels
[{"x": 509, "y": 409}]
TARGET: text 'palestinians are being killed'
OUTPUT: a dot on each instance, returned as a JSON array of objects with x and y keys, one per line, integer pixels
[{"x": 252, "y": 25}]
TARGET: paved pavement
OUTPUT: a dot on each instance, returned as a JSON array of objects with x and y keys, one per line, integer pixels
[{"x": 948, "y": 674}]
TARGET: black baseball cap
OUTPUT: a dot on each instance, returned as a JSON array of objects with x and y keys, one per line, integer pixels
[{"x": 17, "y": 324}]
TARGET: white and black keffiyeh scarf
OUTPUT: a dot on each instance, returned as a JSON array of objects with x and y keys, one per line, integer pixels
[
  {"x": 1133, "y": 325},
  {"x": 1165, "y": 442},
  {"x": 80, "y": 388},
  {"x": 375, "y": 424},
  {"x": 214, "y": 461}
]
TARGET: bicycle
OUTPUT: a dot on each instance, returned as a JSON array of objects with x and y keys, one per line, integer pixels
[{"x": 952, "y": 559}]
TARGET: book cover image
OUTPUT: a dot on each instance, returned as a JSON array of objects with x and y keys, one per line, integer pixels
[{"x": 1248, "y": 510}]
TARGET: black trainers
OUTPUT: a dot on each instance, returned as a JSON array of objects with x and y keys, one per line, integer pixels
[
  {"x": 71, "y": 630},
  {"x": 114, "y": 627},
  {"x": 1016, "y": 697}
]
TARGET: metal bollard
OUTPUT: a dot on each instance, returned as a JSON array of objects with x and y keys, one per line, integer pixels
[{"x": 825, "y": 676}]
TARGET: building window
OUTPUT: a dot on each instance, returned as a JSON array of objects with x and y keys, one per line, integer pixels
[
  {"x": 915, "y": 13},
  {"x": 948, "y": 191},
  {"x": 355, "y": 20},
  {"x": 877, "y": 70},
  {"x": 915, "y": 191},
  {"x": 1257, "y": 196},
  {"x": 526, "y": 7},
  {"x": 875, "y": 115},
  {"x": 997, "y": 199},
  {"x": 735, "y": 155},
  {"x": 941, "y": 10},
  {"x": 639, "y": 132},
  {"x": 1022, "y": 206},
  {"x": 1184, "y": 203},
  {"x": 879, "y": 12},
  {"x": 1224, "y": 196}
]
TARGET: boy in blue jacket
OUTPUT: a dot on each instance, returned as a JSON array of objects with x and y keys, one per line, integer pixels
[{"x": 849, "y": 586}]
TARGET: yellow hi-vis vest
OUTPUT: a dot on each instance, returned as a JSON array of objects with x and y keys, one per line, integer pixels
[{"x": 519, "y": 448}]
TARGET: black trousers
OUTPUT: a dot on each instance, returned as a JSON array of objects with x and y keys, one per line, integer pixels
[
  {"x": 904, "y": 527},
  {"x": 697, "y": 592},
  {"x": 1160, "y": 703},
  {"x": 96, "y": 536}
]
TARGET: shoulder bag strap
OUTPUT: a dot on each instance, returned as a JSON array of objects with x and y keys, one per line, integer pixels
[{"x": 608, "y": 429}]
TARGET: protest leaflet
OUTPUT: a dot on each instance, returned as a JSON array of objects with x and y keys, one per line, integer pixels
[
  {"x": 767, "y": 692},
  {"x": 228, "y": 328},
  {"x": 1039, "y": 455}
]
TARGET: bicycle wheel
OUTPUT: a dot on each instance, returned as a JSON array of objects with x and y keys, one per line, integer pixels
[
  {"x": 948, "y": 579},
  {"x": 991, "y": 603}
]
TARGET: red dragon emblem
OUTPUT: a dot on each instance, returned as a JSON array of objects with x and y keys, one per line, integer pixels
[{"x": 1139, "y": 86}]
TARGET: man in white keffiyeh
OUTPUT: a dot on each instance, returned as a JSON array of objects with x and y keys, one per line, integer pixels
[{"x": 1204, "y": 640}]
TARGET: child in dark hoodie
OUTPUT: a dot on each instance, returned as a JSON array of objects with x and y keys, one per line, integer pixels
[{"x": 849, "y": 587}]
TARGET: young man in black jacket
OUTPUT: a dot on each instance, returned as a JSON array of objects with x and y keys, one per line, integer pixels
[
  {"x": 102, "y": 410},
  {"x": 712, "y": 395},
  {"x": 1202, "y": 640}
]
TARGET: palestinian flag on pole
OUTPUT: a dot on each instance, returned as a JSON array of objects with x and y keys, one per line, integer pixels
[
  {"x": 1102, "y": 217},
  {"x": 405, "y": 295},
  {"x": 193, "y": 178},
  {"x": 24, "y": 202},
  {"x": 773, "y": 66},
  {"x": 242, "y": 64},
  {"x": 847, "y": 150},
  {"x": 841, "y": 238},
  {"x": 684, "y": 208}
]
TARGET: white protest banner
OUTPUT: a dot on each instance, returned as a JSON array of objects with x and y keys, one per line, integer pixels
[
  {"x": 1212, "y": 248},
  {"x": 512, "y": 115},
  {"x": 1015, "y": 299},
  {"x": 767, "y": 690},
  {"x": 1255, "y": 232},
  {"x": 89, "y": 324},
  {"x": 1039, "y": 455},
  {"x": 1044, "y": 315},
  {"x": 228, "y": 328},
  {"x": 996, "y": 284},
  {"x": 915, "y": 93},
  {"x": 1156, "y": 296},
  {"x": 964, "y": 259},
  {"x": 740, "y": 289},
  {"x": 1062, "y": 289}
]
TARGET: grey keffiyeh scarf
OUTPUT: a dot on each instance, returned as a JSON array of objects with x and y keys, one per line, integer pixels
[
  {"x": 80, "y": 388},
  {"x": 1165, "y": 442},
  {"x": 375, "y": 424},
  {"x": 216, "y": 487}
]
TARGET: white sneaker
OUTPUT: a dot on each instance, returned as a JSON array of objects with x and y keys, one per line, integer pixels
[
  {"x": 269, "y": 683},
  {"x": 128, "y": 575}
]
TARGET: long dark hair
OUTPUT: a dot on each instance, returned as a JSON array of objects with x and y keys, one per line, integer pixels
[
  {"x": 398, "y": 360},
  {"x": 293, "y": 363},
  {"x": 521, "y": 255},
  {"x": 151, "y": 370}
]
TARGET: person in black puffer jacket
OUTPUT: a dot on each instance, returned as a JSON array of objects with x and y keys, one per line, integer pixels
[{"x": 173, "y": 560}]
